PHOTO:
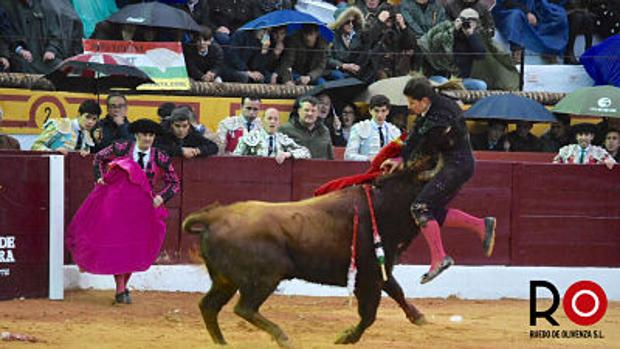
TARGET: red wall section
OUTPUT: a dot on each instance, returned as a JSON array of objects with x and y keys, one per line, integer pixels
[
  {"x": 310, "y": 174},
  {"x": 566, "y": 215},
  {"x": 24, "y": 215}
]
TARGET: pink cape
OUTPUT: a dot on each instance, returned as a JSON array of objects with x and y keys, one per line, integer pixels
[{"x": 117, "y": 230}]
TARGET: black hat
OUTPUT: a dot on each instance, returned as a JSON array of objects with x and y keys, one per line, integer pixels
[
  {"x": 583, "y": 128},
  {"x": 145, "y": 126}
]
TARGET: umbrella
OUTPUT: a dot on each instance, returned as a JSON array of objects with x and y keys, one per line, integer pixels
[
  {"x": 393, "y": 88},
  {"x": 339, "y": 90},
  {"x": 603, "y": 63},
  {"x": 96, "y": 72},
  {"x": 292, "y": 19},
  {"x": 155, "y": 14},
  {"x": 602, "y": 101},
  {"x": 509, "y": 107}
]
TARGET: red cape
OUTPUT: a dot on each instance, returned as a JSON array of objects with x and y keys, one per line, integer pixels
[{"x": 391, "y": 150}]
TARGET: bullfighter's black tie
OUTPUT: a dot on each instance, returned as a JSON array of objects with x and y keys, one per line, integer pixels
[
  {"x": 270, "y": 145},
  {"x": 381, "y": 137},
  {"x": 141, "y": 156},
  {"x": 80, "y": 140},
  {"x": 249, "y": 125}
]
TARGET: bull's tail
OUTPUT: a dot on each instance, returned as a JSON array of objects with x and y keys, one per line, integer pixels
[{"x": 196, "y": 222}]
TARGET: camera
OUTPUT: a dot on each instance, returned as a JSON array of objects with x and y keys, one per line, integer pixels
[{"x": 467, "y": 22}]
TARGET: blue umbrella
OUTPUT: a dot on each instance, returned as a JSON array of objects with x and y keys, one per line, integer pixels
[
  {"x": 292, "y": 19},
  {"x": 509, "y": 107},
  {"x": 602, "y": 62}
]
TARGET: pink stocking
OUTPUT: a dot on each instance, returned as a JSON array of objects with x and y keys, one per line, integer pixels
[
  {"x": 432, "y": 234},
  {"x": 120, "y": 283},
  {"x": 127, "y": 276},
  {"x": 459, "y": 219}
]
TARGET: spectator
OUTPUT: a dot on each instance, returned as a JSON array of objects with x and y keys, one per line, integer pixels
[
  {"x": 451, "y": 49},
  {"x": 267, "y": 6},
  {"x": 164, "y": 111},
  {"x": 234, "y": 127},
  {"x": 180, "y": 138},
  {"x": 328, "y": 117},
  {"x": 486, "y": 24},
  {"x": 115, "y": 125},
  {"x": 349, "y": 115},
  {"x": 305, "y": 57},
  {"x": 7, "y": 32},
  {"x": 369, "y": 136},
  {"x": 557, "y": 136},
  {"x": 612, "y": 144},
  {"x": 7, "y": 142},
  {"x": 536, "y": 25},
  {"x": 277, "y": 37},
  {"x": 306, "y": 131},
  {"x": 422, "y": 15},
  {"x": 344, "y": 52},
  {"x": 580, "y": 22},
  {"x": 269, "y": 142},
  {"x": 246, "y": 57},
  {"x": 602, "y": 127},
  {"x": 37, "y": 46},
  {"x": 368, "y": 7},
  {"x": 204, "y": 58},
  {"x": 584, "y": 152},
  {"x": 391, "y": 43},
  {"x": 226, "y": 16},
  {"x": 65, "y": 135},
  {"x": 493, "y": 139},
  {"x": 522, "y": 139}
]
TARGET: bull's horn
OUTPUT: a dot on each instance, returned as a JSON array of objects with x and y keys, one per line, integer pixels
[{"x": 428, "y": 174}]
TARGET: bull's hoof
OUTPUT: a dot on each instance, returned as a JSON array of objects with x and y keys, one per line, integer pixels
[
  {"x": 348, "y": 336},
  {"x": 286, "y": 344},
  {"x": 420, "y": 321}
]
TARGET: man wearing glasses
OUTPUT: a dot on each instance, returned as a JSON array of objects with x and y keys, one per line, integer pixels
[
  {"x": 232, "y": 128},
  {"x": 115, "y": 126}
]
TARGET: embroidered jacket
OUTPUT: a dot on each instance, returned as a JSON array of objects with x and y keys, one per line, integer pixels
[
  {"x": 158, "y": 166},
  {"x": 62, "y": 133},
  {"x": 232, "y": 128},
  {"x": 571, "y": 154},
  {"x": 256, "y": 143},
  {"x": 365, "y": 142}
]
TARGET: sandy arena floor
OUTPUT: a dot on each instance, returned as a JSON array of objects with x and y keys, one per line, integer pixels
[{"x": 87, "y": 319}]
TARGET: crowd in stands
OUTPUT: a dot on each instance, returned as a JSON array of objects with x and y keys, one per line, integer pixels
[{"x": 374, "y": 39}]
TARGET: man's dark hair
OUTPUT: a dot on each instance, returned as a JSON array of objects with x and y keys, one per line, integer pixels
[
  {"x": 379, "y": 101},
  {"x": 250, "y": 98},
  {"x": 206, "y": 34},
  {"x": 115, "y": 94},
  {"x": 310, "y": 28},
  {"x": 90, "y": 106},
  {"x": 418, "y": 88},
  {"x": 165, "y": 109},
  {"x": 310, "y": 99}
]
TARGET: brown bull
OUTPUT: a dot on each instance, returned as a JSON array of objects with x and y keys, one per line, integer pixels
[{"x": 251, "y": 246}]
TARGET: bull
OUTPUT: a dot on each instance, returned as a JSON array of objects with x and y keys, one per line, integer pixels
[{"x": 251, "y": 246}]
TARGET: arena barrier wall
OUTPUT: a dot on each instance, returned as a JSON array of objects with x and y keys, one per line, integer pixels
[{"x": 31, "y": 230}]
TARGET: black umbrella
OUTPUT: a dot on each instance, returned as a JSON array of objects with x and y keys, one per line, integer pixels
[
  {"x": 155, "y": 14},
  {"x": 342, "y": 90},
  {"x": 95, "y": 73}
]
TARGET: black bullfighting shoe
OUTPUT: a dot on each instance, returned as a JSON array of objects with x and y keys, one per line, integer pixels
[
  {"x": 445, "y": 263},
  {"x": 127, "y": 296},
  {"x": 489, "y": 235},
  {"x": 119, "y": 298}
]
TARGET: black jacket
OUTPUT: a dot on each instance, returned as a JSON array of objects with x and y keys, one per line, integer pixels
[
  {"x": 174, "y": 146},
  {"x": 198, "y": 65},
  {"x": 111, "y": 132}
]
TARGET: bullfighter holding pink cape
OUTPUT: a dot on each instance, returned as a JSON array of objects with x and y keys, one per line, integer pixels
[{"x": 120, "y": 227}]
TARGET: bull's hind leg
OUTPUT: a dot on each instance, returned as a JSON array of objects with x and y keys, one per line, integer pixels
[
  {"x": 252, "y": 297},
  {"x": 368, "y": 294},
  {"x": 211, "y": 304},
  {"x": 393, "y": 289}
]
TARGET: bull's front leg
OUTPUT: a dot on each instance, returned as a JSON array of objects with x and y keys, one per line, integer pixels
[
  {"x": 393, "y": 289},
  {"x": 368, "y": 294}
]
